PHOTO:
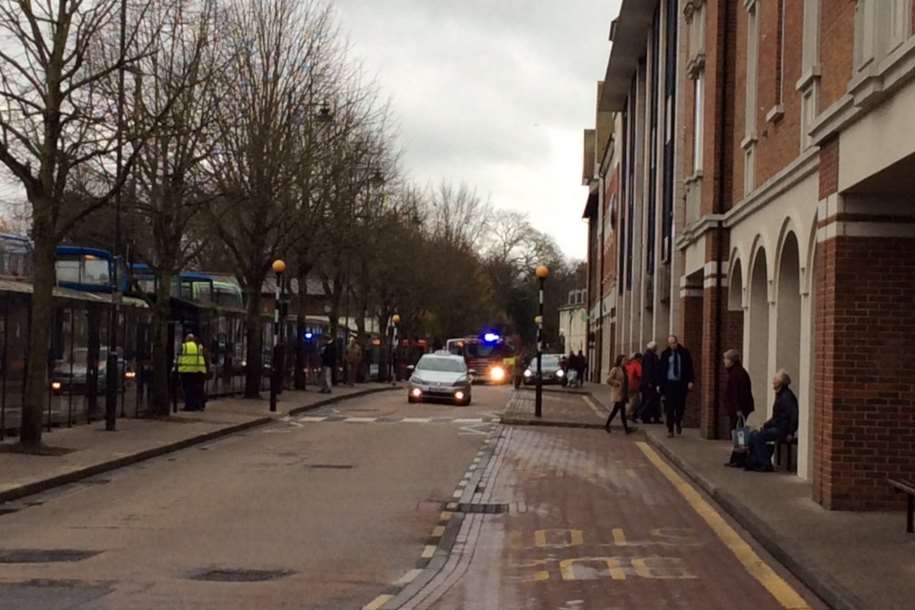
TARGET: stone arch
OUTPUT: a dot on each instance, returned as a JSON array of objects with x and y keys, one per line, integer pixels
[
  {"x": 788, "y": 309},
  {"x": 756, "y": 347},
  {"x": 735, "y": 284}
]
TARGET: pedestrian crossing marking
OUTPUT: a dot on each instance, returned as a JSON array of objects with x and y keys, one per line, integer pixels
[
  {"x": 783, "y": 592},
  {"x": 462, "y": 421}
]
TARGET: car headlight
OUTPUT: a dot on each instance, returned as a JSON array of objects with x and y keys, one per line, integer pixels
[
  {"x": 528, "y": 373},
  {"x": 497, "y": 373},
  {"x": 560, "y": 373}
]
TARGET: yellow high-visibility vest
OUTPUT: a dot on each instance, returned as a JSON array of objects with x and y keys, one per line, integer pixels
[{"x": 191, "y": 359}]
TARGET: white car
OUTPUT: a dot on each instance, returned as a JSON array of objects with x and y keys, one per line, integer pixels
[{"x": 440, "y": 377}]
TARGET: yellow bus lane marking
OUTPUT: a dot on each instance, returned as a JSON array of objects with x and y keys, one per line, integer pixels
[
  {"x": 751, "y": 561},
  {"x": 378, "y": 602}
]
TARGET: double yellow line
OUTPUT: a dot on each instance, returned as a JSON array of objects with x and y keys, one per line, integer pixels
[{"x": 758, "y": 569}]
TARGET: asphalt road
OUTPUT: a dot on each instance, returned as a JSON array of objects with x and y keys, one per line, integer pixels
[{"x": 323, "y": 511}]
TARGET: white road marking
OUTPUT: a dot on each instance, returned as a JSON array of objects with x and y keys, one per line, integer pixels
[
  {"x": 429, "y": 551},
  {"x": 469, "y": 420},
  {"x": 416, "y": 420},
  {"x": 360, "y": 420},
  {"x": 311, "y": 420},
  {"x": 457, "y": 493},
  {"x": 439, "y": 531},
  {"x": 378, "y": 602}
]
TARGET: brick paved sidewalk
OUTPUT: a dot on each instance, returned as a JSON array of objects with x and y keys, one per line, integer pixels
[
  {"x": 593, "y": 522},
  {"x": 88, "y": 450},
  {"x": 569, "y": 410}
]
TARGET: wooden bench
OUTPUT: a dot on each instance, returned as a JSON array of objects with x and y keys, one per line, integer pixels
[
  {"x": 909, "y": 489},
  {"x": 789, "y": 443}
]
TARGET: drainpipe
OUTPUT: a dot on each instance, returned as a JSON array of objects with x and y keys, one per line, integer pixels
[{"x": 725, "y": 7}]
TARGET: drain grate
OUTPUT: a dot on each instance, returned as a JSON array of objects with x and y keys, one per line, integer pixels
[
  {"x": 332, "y": 466},
  {"x": 45, "y": 555},
  {"x": 489, "y": 509},
  {"x": 240, "y": 575}
]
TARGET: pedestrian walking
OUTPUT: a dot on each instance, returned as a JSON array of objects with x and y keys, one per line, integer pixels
[
  {"x": 677, "y": 377},
  {"x": 192, "y": 369},
  {"x": 353, "y": 360},
  {"x": 328, "y": 364},
  {"x": 634, "y": 377},
  {"x": 738, "y": 394},
  {"x": 650, "y": 410},
  {"x": 619, "y": 388},
  {"x": 582, "y": 368},
  {"x": 781, "y": 426}
]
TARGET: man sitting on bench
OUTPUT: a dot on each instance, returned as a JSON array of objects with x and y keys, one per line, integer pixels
[{"x": 782, "y": 425}]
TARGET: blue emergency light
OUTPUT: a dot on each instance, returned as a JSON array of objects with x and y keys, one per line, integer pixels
[{"x": 491, "y": 337}]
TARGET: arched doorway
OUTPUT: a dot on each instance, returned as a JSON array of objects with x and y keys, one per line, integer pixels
[
  {"x": 756, "y": 352},
  {"x": 788, "y": 339}
]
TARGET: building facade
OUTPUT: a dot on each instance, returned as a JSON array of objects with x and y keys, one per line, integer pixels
[
  {"x": 573, "y": 322},
  {"x": 767, "y": 204}
]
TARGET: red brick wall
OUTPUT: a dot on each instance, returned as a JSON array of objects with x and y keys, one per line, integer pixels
[
  {"x": 837, "y": 49},
  {"x": 865, "y": 383},
  {"x": 779, "y": 142},
  {"x": 829, "y": 167}
]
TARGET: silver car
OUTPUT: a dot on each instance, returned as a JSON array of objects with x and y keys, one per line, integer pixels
[{"x": 440, "y": 377}]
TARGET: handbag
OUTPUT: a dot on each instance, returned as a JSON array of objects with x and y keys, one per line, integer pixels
[{"x": 741, "y": 435}]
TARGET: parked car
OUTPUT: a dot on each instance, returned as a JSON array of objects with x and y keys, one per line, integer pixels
[{"x": 551, "y": 367}]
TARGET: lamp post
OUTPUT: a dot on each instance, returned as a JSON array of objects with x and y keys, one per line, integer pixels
[
  {"x": 542, "y": 272},
  {"x": 276, "y": 372},
  {"x": 395, "y": 319}
]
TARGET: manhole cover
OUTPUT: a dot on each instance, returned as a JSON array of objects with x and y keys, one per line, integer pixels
[
  {"x": 230, "y": 575},
  {"x": 332, "y": 466},
  {"x": 44, "y": 555}
]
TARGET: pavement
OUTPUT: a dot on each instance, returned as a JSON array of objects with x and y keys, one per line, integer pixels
[
  {"x": 567, "y": 408},
  {"x": 87, "y": 450},
  {"x": 851, "y": 560},
  {"x": 334, "y": 509}
]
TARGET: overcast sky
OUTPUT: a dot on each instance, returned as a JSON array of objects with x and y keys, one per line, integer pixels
[{"x": 494, "y": 93}]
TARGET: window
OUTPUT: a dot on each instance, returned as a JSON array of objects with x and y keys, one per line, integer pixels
[
  {"x": 653, "y": 144},
  {"x": 808, "y": 85},
  {"x": 83, "y": 270},
  {"x": 698, "y": 125},
  {"x": 749, "y": 141},
  {"x": 670, "y": 89},
  {"x": 780, "y": 55}
]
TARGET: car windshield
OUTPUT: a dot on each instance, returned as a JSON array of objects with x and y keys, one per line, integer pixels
[
  {"x": 549, "y": 360},
  {"x": 441, "y": 365}
]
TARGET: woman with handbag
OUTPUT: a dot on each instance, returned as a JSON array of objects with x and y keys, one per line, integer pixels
[
  {"x": 619, "y": 391},
  {"x": 738, "y": 402}
]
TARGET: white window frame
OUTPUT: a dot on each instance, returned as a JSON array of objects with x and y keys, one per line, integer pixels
[
  {"x": 698, "y": 120},
  {"x": 752, "y": 96}
]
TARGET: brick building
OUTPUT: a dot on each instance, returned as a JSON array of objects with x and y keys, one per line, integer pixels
[{"x": 766, "y": 201}]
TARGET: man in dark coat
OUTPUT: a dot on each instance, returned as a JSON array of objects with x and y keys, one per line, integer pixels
[
  {"x": 650, "y": 410},
  {"x": 738, "y": 396},
  {"x": 677, "y": 377},
  {"x": 328, "y": 364},
  {"x": 782, "y": 425}
]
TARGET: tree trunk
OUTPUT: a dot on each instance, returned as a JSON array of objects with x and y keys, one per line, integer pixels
[
  {"x": 36, "y": 390},
  {"x": 161, "y": 365},
  {"x": 255, "y": 338}
]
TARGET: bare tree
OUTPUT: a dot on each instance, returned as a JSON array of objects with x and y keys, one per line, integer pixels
[
  {"x": 59, "y": 124},
  {"x": 458, "y": 216},
  {"x": 281, "y": 57},
  {"x": 176, "y": 82}
]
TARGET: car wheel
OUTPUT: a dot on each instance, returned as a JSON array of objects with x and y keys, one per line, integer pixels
[{"x": 411, "y": 400}]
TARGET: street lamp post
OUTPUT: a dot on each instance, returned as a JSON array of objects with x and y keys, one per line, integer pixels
[
  {"x": 391, "y": 349},
  {"x": 276, "y": 368},
  {"x": 542, "y": 272}
]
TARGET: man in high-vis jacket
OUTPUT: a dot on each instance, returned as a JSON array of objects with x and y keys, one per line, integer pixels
[{"x": 192, "y": 367}]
